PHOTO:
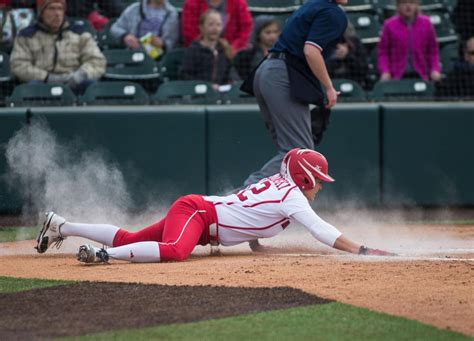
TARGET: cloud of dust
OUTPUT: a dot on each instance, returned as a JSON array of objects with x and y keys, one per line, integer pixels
[
  {"x": 406, "y": 232},
  {"x": 81, "y": 185}
]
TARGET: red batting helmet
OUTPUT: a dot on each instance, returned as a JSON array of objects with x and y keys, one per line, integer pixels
[{"x": 302, "y": 166}]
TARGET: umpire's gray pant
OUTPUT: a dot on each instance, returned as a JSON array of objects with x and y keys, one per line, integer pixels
[{"x": 289, "y": 121}]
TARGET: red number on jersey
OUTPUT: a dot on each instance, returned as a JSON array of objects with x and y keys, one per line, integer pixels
[{"x": 258, "y": 188}]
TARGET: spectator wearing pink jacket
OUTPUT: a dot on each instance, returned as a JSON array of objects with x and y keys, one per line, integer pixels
[{"x": 408, "y": 46}]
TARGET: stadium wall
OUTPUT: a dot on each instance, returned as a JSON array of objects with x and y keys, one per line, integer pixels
[{"x": 380, "y": 154}]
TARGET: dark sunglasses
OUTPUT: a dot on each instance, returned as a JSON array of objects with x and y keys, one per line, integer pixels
[{"x": 470, "y": 53}]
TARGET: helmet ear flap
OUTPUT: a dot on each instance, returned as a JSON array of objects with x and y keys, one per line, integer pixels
[{"x": 302, "y": 180}]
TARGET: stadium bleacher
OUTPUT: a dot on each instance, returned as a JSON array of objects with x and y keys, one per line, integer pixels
[
  {"x": 185, "y": 92},
  {"x": 41, "y": 94},
  {"x": 114, "y": 93},
  {"x": 123, "y": 65}
]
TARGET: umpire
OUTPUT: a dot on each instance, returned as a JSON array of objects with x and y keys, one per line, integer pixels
[{"x": 292, "y": 76}]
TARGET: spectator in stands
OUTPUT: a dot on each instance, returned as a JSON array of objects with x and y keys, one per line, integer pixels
[
  {"x": 235, "y": 16},
  {"x": 463, "y": 18},
  {"x": 209, "y": 57},
  {"x": 408, "y": 46},
  {"x": 460, "y": 81},
  {"x": 349, "y": 60},
  {"x": 265, "y": 33},
  {"x": 53, "y": 51},
  {"x": 97, "y": 12},
  {"x": 157, "y": 17}
]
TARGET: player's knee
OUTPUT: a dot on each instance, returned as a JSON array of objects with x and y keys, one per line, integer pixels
[{"x": 122, "y": 237}]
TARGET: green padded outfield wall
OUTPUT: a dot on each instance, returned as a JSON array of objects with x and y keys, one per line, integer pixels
[
  {"x": 351, "y": 145},
  {"x": 428, "y": 154},
  {"x": 160, "y": 150},
  {"x": 390, "y": 154},
  {"x": 238, "y": 144},
  {"x": 10, "y": 121}
]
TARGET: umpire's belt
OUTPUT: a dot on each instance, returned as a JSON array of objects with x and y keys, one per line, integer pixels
[
  {"x": 213, "y": 234},
  {"x": 276, "y": 55}
]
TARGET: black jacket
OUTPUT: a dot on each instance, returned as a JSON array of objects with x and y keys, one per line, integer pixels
[
  {"x": 245, "y": 61},
  {"x": 458, "y": 83},
  {"x": 354, "y": 66},
  {"x": 200, "y": 63}
]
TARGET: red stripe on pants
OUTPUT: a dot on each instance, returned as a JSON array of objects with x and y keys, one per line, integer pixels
[{"x": 185, "y": 225}]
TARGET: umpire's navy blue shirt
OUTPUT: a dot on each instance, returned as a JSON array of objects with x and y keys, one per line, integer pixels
[{"x": 320, "y": 23}]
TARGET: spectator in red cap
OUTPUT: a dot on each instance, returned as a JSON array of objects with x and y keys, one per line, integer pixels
[
  {"x": 235, "y": 16},
  {"x": 54, "y": 51}
]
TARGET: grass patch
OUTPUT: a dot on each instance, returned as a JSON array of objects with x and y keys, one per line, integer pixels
[
  {"x": 11, "y": 284},
  {"x": 334, "y": 321},
  {"x": 10, "y": 234}
]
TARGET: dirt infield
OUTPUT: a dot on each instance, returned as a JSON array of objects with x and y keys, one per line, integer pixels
[{"x": 432, "y": 283}]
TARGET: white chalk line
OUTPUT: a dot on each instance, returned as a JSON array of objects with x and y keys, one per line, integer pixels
[{"x": 379, "y": 258}]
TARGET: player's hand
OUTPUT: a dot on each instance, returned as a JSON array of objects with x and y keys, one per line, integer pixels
[
  {"x": 257, "y": 247},
  {"x": 331, "y": 94},
  {"x": 131, "y": 41},
  {"x": 367, "y": 251}
]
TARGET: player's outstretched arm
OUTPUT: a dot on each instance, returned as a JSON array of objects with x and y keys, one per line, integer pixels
[{"x": 344, "y": 244}]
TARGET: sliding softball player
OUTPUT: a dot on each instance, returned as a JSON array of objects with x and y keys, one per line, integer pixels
[{"x": 261, "y": 210}]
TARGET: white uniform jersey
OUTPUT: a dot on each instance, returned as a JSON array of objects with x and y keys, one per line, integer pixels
[{"x": 265, "y": 209}]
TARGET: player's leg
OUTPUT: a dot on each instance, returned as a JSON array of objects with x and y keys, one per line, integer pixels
[
  {"x": 183, "y": 229},
  {"x": 56, "y": 228},
  {"x": 101, "y": 233},
  {"x": 137, "y": 247},
  {"x": 141, "y": 252},
  {"x": 153, "y": 232},
  {"x": 111, "y": 235},
  {"x": 180, "y": 230}
]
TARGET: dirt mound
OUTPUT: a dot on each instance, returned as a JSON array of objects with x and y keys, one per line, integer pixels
[{"x": 90, "y": 307}]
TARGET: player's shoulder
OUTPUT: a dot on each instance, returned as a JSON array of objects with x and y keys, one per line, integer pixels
[
  {"x": 282, "y": 187},
  {"x": 293, "y": 193}
]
